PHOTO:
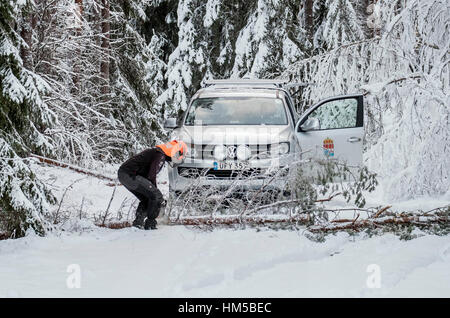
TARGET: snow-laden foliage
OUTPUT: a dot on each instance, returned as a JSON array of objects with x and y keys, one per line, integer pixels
[
  {"x": 255, "y": 38},
  {"x": 66, "y": 55},
  {"x": 188, "y": 59},
  {"x": 24, "y": 199},
  {"x": 222, "y": 39},
  {"x": 24, "y": 117},
  {"x": 404, "y": 74},
  {"x": 137, "y": 78},
  {"x": 341, "y": 24},
  {"x": 102, "y": 116},
  {"x": 78, "y": 81}
]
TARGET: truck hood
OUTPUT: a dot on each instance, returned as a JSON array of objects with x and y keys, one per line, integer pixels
[{"x": 233, "y": 134}]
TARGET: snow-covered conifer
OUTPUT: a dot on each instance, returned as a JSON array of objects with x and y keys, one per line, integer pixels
[
  {"x": 342, "y": 24},
  {"x": 24, "y": 117}
]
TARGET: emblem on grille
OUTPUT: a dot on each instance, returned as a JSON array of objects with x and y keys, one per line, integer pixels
[{"x": 231, "y": 152}]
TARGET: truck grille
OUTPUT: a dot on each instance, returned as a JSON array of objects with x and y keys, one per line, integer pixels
[
  {"x": 193, "y": 173},
  {"x": 206, "y": 151}
]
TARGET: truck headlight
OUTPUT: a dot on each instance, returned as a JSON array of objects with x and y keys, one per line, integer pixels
[
  {"x": 280, "y": 149},
  {"x": 243, "y": 152},
  {"x": 220, "y": 152},
  {"x": 284, "y": 148}
]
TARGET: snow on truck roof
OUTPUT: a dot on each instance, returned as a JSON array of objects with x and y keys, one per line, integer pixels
[
  {"x": 272, "y": 92},
  {"x": 256, "y": 83},
  {"x": 246, "y": 87},
  {"x": 246, "y": 82}
]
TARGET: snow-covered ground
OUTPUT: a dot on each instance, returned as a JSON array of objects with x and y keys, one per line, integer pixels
[{"x": 178, "y": 261}]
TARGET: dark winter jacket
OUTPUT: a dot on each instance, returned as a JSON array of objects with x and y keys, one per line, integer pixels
[{"x": 146, "y": 164}]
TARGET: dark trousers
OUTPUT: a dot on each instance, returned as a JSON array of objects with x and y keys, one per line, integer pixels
[{"x": 148, "y": 194}]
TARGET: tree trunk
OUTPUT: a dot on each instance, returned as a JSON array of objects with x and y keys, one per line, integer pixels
[
  {"x": 26, "y": 34},
  {"x": 104, "y": 66},
  {"x": 309, "y": 21},
  {"x": 364, "y": 12},
  {"x": 76, "y": 68}
]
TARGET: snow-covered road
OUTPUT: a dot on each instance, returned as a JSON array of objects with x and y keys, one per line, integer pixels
[{"x": 176, "y": 261}]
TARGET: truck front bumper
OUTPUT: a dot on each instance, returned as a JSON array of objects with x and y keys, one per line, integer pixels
[{"x": 201, "y": 173}]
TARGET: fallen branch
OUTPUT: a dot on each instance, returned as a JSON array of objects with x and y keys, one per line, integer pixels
[
  {"x": 342, "y": 221},
  {"x": 400, "y": 220},
  {"x": 439, "y": 216},
  {"x": 395, "y": 81},
  {"x": 4, "y": 236},
  {"x": 354, "y": 221},
  {"x": 275, "y": 204},
  {"x": 115, "y": 225},
  {"x": 109, "y": 205},
  {"x": 238, "y": 219},
  {"x": 381, "y": 211},
  {"x": 329, "y": 198},
  {"x": 56, "y": 163}
]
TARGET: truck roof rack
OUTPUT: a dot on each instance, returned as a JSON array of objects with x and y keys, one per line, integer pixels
[
  {"x": 246, "y": 82},
  {"x": 298, "y": 84},
  {"x": 282, "y": 83}
]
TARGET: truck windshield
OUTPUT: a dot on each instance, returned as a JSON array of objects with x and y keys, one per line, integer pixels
[{"x": 237, "y": 111}]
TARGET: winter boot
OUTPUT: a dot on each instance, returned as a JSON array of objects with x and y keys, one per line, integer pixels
[
  {"x": 140, "y": 217},
  {"x": 150, "y": 224}
]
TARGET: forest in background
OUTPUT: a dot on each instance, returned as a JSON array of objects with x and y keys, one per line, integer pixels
[{"x": 91, "y": 81}]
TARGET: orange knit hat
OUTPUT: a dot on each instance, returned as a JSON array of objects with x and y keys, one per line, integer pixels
[{"x": 176, "y": 150}]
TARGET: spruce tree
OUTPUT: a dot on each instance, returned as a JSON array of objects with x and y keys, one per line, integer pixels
[
  {"x": 23, "y": 119},
  {"x": 342, "y": 23}
]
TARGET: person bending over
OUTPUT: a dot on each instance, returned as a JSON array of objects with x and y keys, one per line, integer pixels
[{"x": 138, "y": 175}]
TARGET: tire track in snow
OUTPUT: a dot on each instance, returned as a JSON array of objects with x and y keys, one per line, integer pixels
[{"x": 243, "y": 272}]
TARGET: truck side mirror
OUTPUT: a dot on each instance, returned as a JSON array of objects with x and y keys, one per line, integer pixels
[
  {"x": 170, "y": 123},
  {"x": 310, "y": 124},
  {"x": 180, "y": 118}
]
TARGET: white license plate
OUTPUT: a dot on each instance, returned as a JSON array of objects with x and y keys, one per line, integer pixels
[{"x": 232, "y": 165}]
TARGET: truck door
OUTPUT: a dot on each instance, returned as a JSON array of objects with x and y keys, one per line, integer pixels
[{"x": 333, "y": 129}]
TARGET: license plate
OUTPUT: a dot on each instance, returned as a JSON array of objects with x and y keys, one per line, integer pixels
[{"x": 232, "y": 165}]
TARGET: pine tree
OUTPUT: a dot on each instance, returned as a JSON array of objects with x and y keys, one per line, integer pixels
[
  {"x": 137, "y": 74},
  {"x": 23, "y": 116},
  {"x": 342, "y": 24},
  {"x": 223, "y": 39},
  {"x": 102, "y": 86}
]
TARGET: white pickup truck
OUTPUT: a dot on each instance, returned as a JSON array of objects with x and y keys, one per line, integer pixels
[{"x": 236, "y": 125}]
